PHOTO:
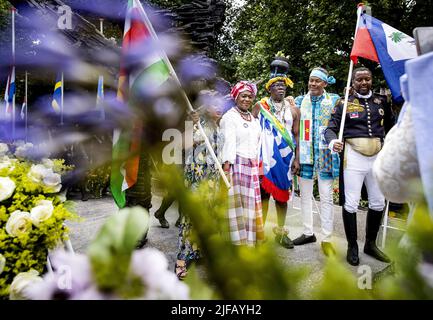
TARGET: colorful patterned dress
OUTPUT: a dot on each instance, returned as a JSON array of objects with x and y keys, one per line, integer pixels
[{"x": 199, "y": 166}]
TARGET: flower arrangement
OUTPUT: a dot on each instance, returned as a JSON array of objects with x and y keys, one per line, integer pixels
[
  {"x": 112, "y": 268},
  {"x": 32, "y": 214},
  {"x": 97, "y": 180}
]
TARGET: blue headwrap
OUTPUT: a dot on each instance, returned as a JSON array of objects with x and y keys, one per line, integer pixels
[{"x": 322, "y": 76}]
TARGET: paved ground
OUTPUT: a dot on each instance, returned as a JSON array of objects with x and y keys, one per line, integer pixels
[{"x": 95, "y": 213}]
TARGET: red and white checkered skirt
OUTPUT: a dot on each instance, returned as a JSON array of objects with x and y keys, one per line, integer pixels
[{"x": 245, "y": 205}]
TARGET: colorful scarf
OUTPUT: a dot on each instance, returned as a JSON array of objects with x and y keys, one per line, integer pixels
[{"x": 306, "y": 142}]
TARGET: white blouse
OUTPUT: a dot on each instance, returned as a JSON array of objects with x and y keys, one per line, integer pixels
[{"x": 241, "y": 137}]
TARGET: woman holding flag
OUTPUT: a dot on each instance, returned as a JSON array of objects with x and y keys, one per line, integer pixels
[{"x": 241, "y": 134}]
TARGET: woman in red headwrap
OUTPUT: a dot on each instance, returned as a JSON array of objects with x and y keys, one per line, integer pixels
[{"x": 241, "y": 134}]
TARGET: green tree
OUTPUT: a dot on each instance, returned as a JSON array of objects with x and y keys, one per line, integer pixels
[{"x": 312, "y": 33}]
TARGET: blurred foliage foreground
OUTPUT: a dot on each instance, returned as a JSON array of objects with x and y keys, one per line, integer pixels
[{"x": 238, "y": 272}]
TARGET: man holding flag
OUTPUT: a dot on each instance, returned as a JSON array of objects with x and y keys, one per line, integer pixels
[
  {"x": 279, "y": 120},
  {"x": 362, "y": 120},
  {"x": 368, "y": 117}
]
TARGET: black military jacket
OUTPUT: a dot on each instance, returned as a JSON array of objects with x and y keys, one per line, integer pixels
[{"x": 370, "y": 117}]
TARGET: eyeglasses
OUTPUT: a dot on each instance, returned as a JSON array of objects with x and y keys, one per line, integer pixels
[{"x": 278, "y": 85}]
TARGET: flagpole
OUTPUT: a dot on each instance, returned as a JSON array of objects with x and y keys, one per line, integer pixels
[
  {"x": 173, "y": 73},
  {"x": 13, "y": 68},
  {"x": 101, "y": 77},
  {"x": 26, "y": 103},
  {"x": 61, "y": 101},
  {"x": 101, "y": 25},
  {"x": 349, "y": 79}
]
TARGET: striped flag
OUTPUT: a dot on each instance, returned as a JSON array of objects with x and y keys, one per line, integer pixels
[
  {"x": 100, "y": 97},
  {"x": 57, "y": 95},
  {"x": 23, "y": 109},
  {"x": 305, "y": 130},
  {"x": 10, "y": 92},
  {"x": 124, "y": 172},
  {"x": 386, "y": 45}
]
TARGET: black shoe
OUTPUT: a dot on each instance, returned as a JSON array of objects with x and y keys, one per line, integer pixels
[
  {"x": 284, "y": 241},
  {"x": 374, "y": 218},
  {"x": 350, "y": 228},
  {"x": 352, "y": 256},
  {"x": 142, "y": 242},
  {"x": 328, "y": 249},
  {"x": 372, "y": 250},
  {"x": 303, "y": 239},
  {"x": 162, "y": 220}
]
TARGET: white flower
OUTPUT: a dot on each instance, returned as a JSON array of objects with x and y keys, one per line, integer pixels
[
  {"x": 4, "y": 149},
  {"x": 22, "y": 282},
  {"x": 52, "y": 181},
  {"x": 24, "y": 151},
  {"x": 41, "y": 174},
  {"x": 426, "y": 271},
  {"x": 37, "y": 173},
  {"x": 7, "y": 188},
  {"x": 18, "y": 223},
  {"x": 151, "y": 265},
  {"x": 48, "y": 163},
  {"x": 2, "y": 263},
  {"x": 43, "y": 211},
  {"x": 62, "y": 196},
  {"x": 5, "y": 162}
]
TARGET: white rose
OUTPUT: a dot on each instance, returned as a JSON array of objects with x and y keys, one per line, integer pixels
[
  {"x": 5, "y": 163},
  {"x": 7, "y": 188},
  {"x": 4, "y": 149},
  {"x": 24, "y": 151},
  {"x": 62, "y": 196},
  {"x": 43, "y": 211},
  {"x": 48, "y": 163},
  {"x": 37, "y": 173},
  {"x": 18, "y": 223},
  {"x": 2, "y": 263},
  {"x": 52, "y": 181},
  {"x": 21, "y": 283}
]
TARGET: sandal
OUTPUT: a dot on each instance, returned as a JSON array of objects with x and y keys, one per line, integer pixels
[{"x": 180, "y": 269}]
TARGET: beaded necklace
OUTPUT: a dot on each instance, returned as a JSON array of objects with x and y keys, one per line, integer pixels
[{"x": 246, "y": 115}]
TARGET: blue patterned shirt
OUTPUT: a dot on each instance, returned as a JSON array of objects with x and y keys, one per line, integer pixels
[{"x": 309, "y": 171}]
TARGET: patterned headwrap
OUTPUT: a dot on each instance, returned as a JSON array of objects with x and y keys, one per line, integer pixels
[
  {"x": 242, "y": 86},
  {"x": 322, "y": 76}
]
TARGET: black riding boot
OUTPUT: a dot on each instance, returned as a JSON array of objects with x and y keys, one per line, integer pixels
[
  {"x": 350, "y": 228},
  {"x": 374, "y": 218}
]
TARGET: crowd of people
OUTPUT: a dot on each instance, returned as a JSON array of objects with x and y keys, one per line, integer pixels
[{"x": 263, "y": 146}]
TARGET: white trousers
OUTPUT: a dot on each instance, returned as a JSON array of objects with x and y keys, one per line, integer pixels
[
  {"x": 326, "y": 206},
  {"x": 359, "y": 169}
]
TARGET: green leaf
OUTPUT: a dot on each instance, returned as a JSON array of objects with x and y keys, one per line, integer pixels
[{"x": 110, "y": 253}]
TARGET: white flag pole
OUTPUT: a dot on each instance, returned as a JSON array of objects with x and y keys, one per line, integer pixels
[
  {"x": 349, "y": 79},
  {"x": 101, "y": 77},
  {"x": 61, "y": 101},
  {"x": 13, "y": 69},
  {"x": 174, "y": 75},
  {"x": 101, "y": 25},
  {"x": 26, "y": 103}
]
